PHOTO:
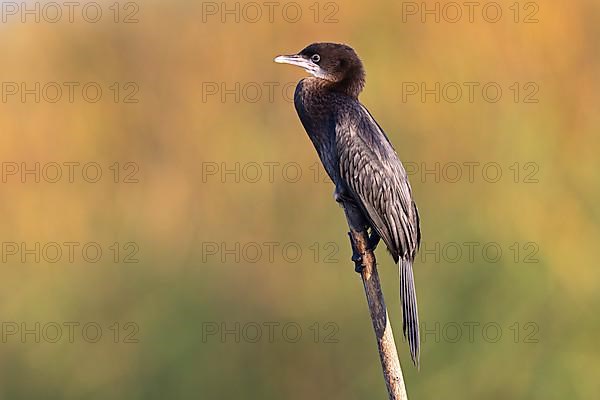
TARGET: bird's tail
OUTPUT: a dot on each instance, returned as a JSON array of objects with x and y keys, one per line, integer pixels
[{"x": 410, "y": 315}]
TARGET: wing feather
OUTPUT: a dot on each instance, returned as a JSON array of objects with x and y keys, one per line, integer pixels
[{"x": 371, "y": 169}]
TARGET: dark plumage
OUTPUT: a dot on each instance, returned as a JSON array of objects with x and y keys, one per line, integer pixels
[{"x": 369, "y": 179}]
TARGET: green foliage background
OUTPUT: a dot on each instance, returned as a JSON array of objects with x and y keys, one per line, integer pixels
[{"x": 176, "y": 290}]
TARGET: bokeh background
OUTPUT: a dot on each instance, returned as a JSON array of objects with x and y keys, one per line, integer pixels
[{"x": 208, "y": 310}]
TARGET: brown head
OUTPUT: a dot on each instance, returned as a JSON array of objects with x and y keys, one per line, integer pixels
[{"x": 336, "y": 64}]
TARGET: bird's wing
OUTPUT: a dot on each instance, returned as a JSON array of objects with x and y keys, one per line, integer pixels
[{"x": 376, "y": 178}]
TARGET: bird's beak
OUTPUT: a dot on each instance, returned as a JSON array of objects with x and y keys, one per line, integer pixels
[
  {"x": 295, "y": 60},
  {"x": 302, "y": 62}
]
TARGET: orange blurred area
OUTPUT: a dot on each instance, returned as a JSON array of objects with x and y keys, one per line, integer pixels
[{"x": 168, "y": 231}]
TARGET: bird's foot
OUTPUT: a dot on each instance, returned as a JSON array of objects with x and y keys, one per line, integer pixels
[
  {"x": 358, "y": 262},
  {"x": 357, "y": 257},
  {"x": 374, "y": 239}
]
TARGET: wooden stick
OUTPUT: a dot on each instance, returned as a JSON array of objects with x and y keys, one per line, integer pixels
[{"x": 388, "y": 355}]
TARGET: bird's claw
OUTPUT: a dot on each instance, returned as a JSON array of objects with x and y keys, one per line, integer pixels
[
  {"x": 357, "y": 257},
  {"x": 374, "y": 239},
  {"x": 358, "y": 262}
]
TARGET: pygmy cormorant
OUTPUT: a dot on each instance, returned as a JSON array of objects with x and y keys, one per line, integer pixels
[{"x": 370, "y": 181}]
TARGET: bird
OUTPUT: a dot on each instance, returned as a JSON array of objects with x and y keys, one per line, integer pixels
[{"x": 370, "y": 181}]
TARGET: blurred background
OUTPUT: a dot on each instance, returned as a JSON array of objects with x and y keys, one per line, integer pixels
[{"x": 168, "y": 232}]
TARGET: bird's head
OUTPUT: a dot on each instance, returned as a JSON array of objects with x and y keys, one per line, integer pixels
[{"x": 337, "y": 64}]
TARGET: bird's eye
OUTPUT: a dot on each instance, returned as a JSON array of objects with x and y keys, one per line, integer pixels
[{"x": 315, "y": 58}]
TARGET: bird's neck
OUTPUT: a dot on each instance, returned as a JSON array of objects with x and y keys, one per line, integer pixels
[{"x": 351, "y": 85}]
